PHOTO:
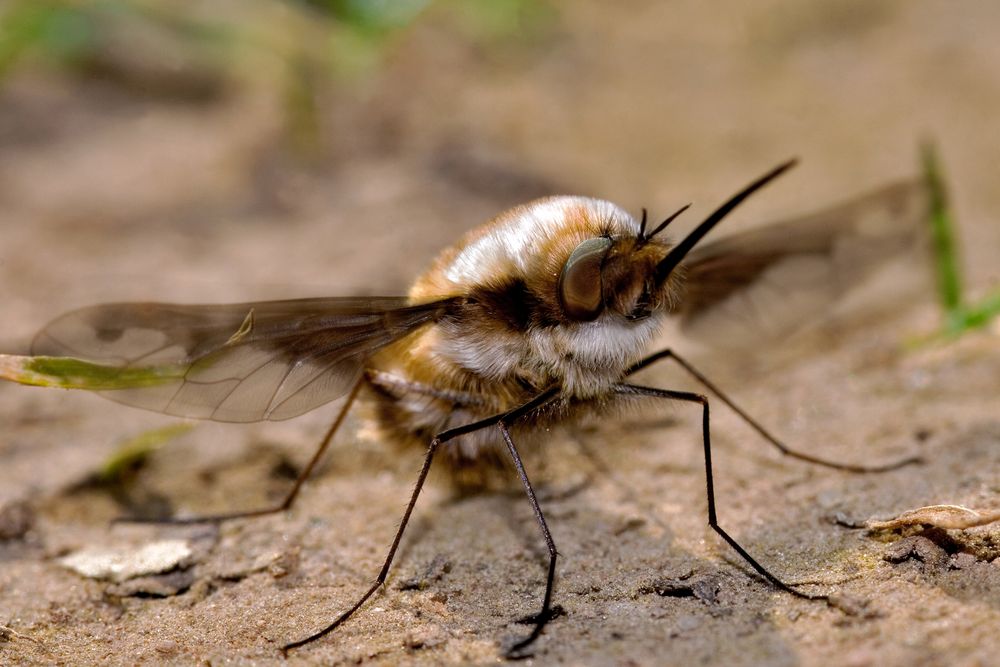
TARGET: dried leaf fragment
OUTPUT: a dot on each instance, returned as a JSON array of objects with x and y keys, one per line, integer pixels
[{"x": 940, "y": 516}]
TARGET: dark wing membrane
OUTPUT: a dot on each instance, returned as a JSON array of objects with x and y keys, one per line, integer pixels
[
  {"x": 237, "y": 362},
  {"x": 775, "y": 278}
]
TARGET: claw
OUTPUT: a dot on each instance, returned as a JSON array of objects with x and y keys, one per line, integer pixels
[{"x": 517, "y": 650}]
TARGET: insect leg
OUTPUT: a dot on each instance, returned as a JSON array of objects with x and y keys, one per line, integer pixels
[
  {"x": 547, "y": 613},
  {"x": 289, "y": 497},
  {"x": 755, "y": 425},
  {"x": 436, "y": 442},
  {"x": 637, "y": 390}
]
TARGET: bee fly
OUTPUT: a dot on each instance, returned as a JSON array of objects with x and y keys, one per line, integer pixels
[{"x": 539, "y": 316}]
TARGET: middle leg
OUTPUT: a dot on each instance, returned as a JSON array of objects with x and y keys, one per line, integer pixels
[
  {"x": 548, "y": 612},
  {"x": 436, "y": 442}
]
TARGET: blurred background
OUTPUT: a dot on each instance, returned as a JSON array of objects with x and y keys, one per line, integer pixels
[{"x": 253, "y": 149}]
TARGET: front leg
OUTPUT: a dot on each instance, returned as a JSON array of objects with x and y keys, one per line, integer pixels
[
  {"x": 713, "y": 521},
  {"x": 755, "y": 425}
]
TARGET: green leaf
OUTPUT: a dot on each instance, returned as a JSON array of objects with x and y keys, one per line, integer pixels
[{"x": 69, "y": 373}]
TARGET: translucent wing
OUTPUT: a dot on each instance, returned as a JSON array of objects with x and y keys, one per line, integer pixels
[
  {"x": 233, "y": 363},
  {"x": 775, "y": 278}
]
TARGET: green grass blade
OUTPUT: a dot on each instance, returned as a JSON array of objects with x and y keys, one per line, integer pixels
[
  {"x": 949, "y": 279},
  {"x": 982, "y": 313},
  {"x": 959, "y": 315},
  {"x": 133, "y": 452}
]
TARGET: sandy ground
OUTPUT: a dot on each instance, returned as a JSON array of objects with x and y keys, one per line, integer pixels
[{"x": 105, "y": 195}]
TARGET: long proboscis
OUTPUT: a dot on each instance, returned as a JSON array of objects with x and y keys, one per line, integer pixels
[{"x": 679, "y": 251}]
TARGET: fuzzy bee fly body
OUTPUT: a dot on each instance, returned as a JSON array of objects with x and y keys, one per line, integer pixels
[
  {"x": 539, "y": 315},
  {"x": 560, "y": 292}
]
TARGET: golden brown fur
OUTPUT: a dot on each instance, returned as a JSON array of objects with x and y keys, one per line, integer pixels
[{"x": 507, "y": 338}]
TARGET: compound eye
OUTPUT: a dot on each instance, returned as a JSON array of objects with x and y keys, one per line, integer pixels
[{"x": 580, "y": 290}]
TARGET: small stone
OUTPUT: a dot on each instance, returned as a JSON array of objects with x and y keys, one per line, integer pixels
[
  {"x": 154, "y": 586},
  {"x": 167, "y": 647},
  {"x": 284, "y": 563},
  {"x": 706, "y": 590},
  {"x": 126, "y": 563},
  {"x": 919, "y": 548},
  {"x": 688, "y": 623},
  {"x": 962, "y": 561}
]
